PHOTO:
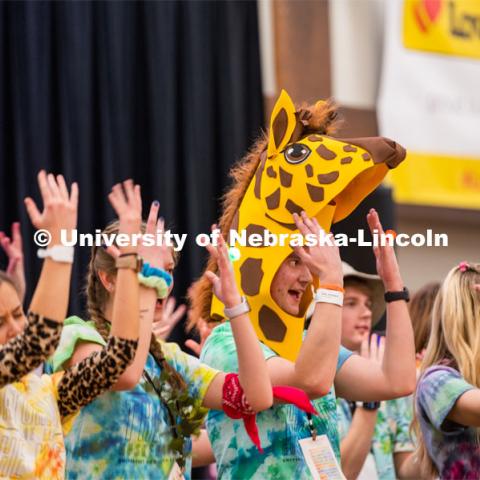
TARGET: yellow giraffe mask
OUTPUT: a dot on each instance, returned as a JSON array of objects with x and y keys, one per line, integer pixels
[{"x": 324, "y": 176}]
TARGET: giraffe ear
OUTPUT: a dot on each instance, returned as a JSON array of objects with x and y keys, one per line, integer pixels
[{"x": 282, "y": 124}]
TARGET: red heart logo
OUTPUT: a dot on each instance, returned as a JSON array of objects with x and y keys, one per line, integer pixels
[{"x": 432, "y": 8}]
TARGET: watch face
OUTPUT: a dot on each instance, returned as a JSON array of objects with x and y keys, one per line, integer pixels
[{"x": 129, "y": 261}]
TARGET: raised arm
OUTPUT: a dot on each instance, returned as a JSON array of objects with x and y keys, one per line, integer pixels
[
  {"x": 359, "y": 378},
  {"x": 315, "y": 367},
  {"x": 48, "y": 308},
  {"x": 147, "y": 297},
  {"x": 98, "y": 372},
  {"x": 13, "y": 248},
  {"x": 357, "y": 443},
  {"x": 252, "y": 369}
]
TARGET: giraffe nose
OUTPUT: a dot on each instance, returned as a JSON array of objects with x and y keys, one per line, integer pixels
[{"x": 400, "y": 154}]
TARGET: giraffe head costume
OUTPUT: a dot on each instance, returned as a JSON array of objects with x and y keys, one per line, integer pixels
[{"x": 297, "y": 168}]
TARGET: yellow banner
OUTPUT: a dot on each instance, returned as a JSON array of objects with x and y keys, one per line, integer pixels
[
  {"x": 450, "y": 27},
  {"x": 425, "y": 179}
]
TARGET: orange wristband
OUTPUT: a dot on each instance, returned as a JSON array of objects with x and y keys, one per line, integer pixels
[{"x": 331, "y": 286}]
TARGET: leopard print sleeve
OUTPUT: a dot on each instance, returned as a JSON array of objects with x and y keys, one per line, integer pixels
[
  {"x": 94, "y": 375},
  {"x": 27, "y": 351}
]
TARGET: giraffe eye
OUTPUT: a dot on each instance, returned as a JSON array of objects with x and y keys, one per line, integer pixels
[{"x": 297, "y": 153}]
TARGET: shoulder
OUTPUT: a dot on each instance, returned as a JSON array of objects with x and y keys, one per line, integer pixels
[
  {"x": 75, "y": 330},
  {"x": 343, "y": 355},
  {"x": 180, "y": 360},
  {"x": 439, "y": 375}
]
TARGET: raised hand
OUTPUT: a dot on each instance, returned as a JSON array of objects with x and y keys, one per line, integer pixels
[
  {"x": 14, "y": 251},
  {"x": 164, "y": 323},
  {"x": 224, "y": 285},
  {"x": 386, "y": 261},
  {"x": 324, "y": 260},
  {"x": 204, "y": 330},
  {"x": 374, "y": 349},
  {"x": 125, "y": 198},
  {"x": 155, "y": 255},
  {"x": 59, "y": 206}
]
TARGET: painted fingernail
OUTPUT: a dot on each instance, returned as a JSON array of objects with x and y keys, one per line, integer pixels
[{"x": 156, "y": 203}]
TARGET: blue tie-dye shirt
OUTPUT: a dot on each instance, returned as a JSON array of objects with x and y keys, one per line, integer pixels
[
  {"x": 125, "y": 434},
  {"x": 280, "y": 427},
  {"x": 452, "y": 447}
]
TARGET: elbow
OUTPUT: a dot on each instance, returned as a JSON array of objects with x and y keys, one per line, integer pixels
[
  {"x": 127, "y": 381},
  {"x": 405, "y": 387},
  {"x": 315, "y": 388},
  {"x": 262, "y": 403},
  {"x": 315, "y": 384}
]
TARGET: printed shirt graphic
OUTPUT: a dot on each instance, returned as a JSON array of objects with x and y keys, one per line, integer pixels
[
  {"x": 126, "y": 434},
  {"x": 451, "y": 446},
  {"x": 391, "y": 433},
  {"x": 280, "y": 427},
  {"x": 31, "y": 437}
]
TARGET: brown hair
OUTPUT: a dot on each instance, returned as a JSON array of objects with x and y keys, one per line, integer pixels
[
  {"x": 97, "y": 297},
  {"x": 359, "y": 283},
  {"x": 322, "y": 119},
  {"x": 420, "y": 308},
  {"x": 4, "y": 277}
]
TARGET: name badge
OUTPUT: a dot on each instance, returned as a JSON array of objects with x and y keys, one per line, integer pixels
[{"x": 320, "y": 459}]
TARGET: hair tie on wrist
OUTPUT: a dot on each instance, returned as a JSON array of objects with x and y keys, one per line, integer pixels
[
  {"x": 157, "y": 283},
  {"x": 149, "y": 271}
]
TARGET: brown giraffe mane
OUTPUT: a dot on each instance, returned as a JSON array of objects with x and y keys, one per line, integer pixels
[{"x": 320, "y": 118}]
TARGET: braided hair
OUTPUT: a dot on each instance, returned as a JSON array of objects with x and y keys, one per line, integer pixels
[{"x": 97, "y": 297}]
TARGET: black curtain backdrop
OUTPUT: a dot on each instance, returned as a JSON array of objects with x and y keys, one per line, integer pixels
[{"x": 168, "y": 93}]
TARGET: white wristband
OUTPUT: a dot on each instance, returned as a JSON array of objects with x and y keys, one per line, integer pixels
[
  {"x": 325, "y": 295},
  {"x": 237, "y": 310},
  {"x": 58, "y": 253}
]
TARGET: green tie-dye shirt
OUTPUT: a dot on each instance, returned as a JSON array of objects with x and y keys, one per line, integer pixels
[
  {"x": 280, "y": 427},
  {"x": 124, "y": 435},
  {"x": 391, "y": 433}
]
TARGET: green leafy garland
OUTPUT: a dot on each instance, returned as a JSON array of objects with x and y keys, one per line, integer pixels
[{"x": 186, "y": 415}]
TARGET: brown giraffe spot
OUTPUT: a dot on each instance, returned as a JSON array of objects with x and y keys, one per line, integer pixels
[
  {"x": 292, "y": 207},
  {"x": 271, "y": 325},
  {"x": 259, "y": 173},
  {"x": 251, "y": 273},
  {"x": 327, "y": 178},
  {"x": 345, "y": 160},
  {"x": 279, "y": 127},
  {"x": 349, "y": 148},
  {"x": 251, "y": 229},
  {"x": 366, "y": 156},
  {"x": 271, "y": 172},
  {"x": 285, "y": 178},
  {"x": 309, "y": 170},
  {"x": 273, "y": 200},
  {"x": 325, "y": 153},
  {"x": 315, "y": 138},
  {"x": 316, "y": 193}
]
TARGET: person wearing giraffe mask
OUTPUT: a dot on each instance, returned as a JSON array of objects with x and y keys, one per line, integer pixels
[{"x": 300, "y": 179}]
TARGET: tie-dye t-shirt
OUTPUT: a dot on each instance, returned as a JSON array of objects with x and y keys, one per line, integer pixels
[
  {"x": 125, "y": 435},
  {"x": 280, "y": 427},
  {"x": 31, "y": 437},
  {"x": 451, "y": 446},
  {"x": 391, "y": 433}
]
